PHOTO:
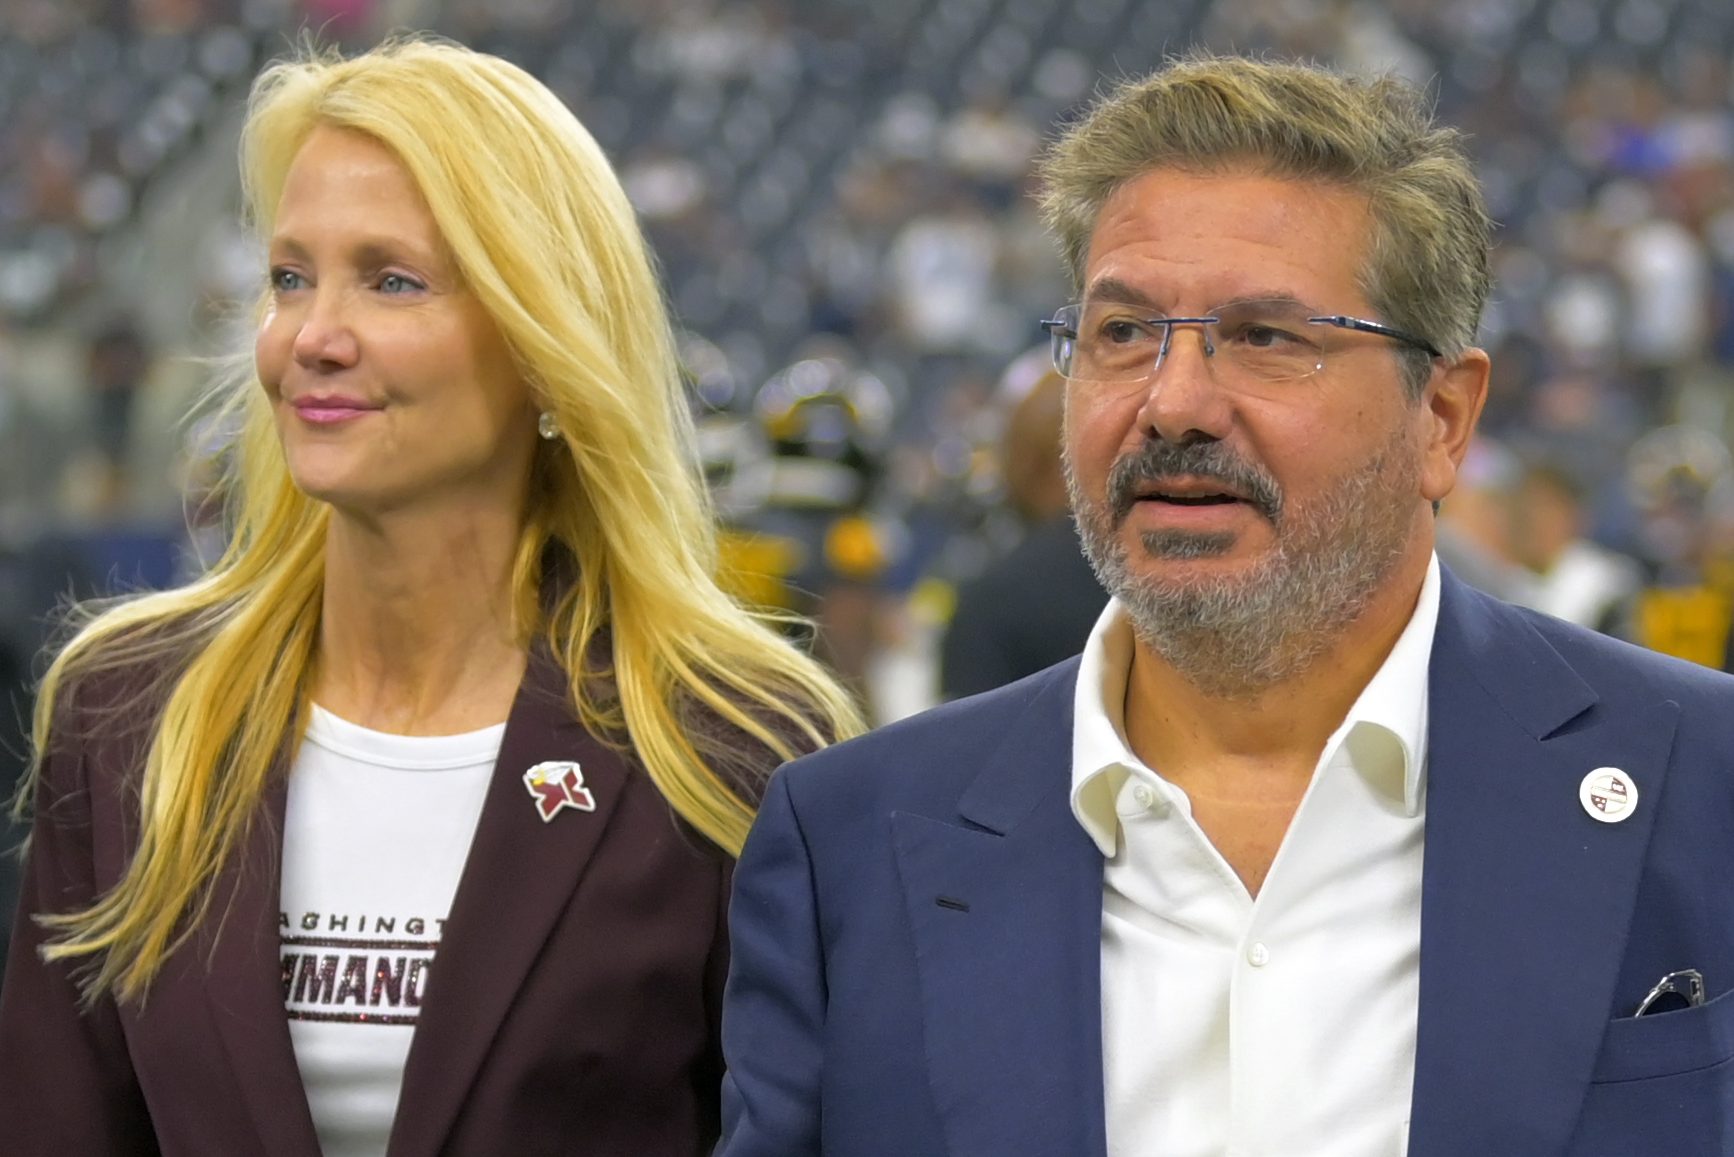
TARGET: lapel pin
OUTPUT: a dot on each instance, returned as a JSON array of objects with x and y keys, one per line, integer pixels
[
  {"x": 557, "y": 784},
  {"x": 1608, "y": 795}
]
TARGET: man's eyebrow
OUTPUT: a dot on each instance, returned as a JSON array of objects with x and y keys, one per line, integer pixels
[
  {"x": 1273, "y": 296},
  {"x": 1113, "y": 289}
]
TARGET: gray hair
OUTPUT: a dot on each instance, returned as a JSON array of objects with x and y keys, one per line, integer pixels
[{"x": 1427, "y": 264}]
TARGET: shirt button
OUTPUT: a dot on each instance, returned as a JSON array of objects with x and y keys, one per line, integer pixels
[
  {"x": 1258, "y": 955},
  {"x": 1143, "y": 796}
]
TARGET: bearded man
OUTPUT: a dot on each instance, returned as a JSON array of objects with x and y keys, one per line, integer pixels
[{"x": 1315, "y": 850}]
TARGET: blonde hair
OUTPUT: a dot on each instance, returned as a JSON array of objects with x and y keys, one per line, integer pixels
[
  {"x": 1427, "y": 269},
  {"x": 616, "y": 568}
]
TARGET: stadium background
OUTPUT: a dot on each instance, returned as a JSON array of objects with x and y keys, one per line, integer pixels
[{"x": 838, "y": 194}]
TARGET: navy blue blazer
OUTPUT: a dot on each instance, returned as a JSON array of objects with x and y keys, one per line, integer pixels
[{"x": 916, "y": 922}]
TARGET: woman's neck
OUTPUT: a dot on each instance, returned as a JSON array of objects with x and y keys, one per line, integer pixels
[{"x": 417, "y": 634}]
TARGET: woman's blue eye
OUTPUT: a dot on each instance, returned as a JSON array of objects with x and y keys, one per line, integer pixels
[
  {"x": 284, "y": 280},
  {"x": 397, "y": 283}
]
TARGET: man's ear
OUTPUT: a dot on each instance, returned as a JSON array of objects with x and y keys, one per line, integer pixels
[{"x": 1449, "y": 409}]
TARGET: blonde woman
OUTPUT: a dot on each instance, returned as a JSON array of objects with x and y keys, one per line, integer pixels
[{"x": 409, "y": 827}]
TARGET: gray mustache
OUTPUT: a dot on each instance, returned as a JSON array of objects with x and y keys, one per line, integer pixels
[{"x": 1158, "y": 461}]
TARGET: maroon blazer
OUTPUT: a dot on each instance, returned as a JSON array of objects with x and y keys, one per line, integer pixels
[{"x": 574, "y": 1010}]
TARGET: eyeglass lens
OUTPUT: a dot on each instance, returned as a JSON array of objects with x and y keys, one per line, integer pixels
[{"x": 1264, "y": 341}]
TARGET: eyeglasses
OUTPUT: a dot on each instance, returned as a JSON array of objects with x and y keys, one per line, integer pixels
[{"x": 1248, "y": 342}]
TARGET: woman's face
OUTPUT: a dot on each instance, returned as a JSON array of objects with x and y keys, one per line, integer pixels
[{"x": 392, "y": 387}]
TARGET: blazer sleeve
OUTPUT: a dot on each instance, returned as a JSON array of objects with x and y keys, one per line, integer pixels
[
  {"x": 67, "y": 1087},
  {"x": 774, "y": 1007}
]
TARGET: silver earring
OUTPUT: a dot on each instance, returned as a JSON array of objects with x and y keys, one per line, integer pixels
[{"x": 547, "y": 426}]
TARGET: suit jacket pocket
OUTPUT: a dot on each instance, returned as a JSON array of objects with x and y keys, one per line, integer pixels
[{"x": 1641, "y": 1048}]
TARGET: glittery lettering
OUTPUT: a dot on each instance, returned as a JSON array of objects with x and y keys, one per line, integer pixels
[
  {"x": 316, "y": 980},
  {"x": 352, "y": 968},
  {"x": 388, "y": 982},
  {"x": 353, "y": 942},
  {"x": 352, "y": 1017},
  {"x": 354, "y": 983},
  {"x": 412, "y": 988}
]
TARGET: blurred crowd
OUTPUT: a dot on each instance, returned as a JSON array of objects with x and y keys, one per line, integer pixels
[{"x": 838, "y": 195}]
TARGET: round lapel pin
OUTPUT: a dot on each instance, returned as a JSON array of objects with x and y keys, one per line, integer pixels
[{"x": 1608, "y": 795}]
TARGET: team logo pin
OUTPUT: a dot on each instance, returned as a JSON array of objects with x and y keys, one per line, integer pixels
[
  {"x": 557, "y": 784},
  {"x": 1608, "y": 794}
]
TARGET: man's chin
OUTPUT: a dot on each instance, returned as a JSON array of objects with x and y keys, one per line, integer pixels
[
  {"x": 1172, "y": 571},
  {"x": 1186, "y": 545},
  {"x": 1200, "y": 591}
]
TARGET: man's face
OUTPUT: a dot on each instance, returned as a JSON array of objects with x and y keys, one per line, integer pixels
[{"x": 1245, "y": 525}]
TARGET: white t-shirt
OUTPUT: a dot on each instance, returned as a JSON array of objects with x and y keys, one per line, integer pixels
[{"x": 374, "y": 839}]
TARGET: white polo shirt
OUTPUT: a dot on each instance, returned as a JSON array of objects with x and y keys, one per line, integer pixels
[{"x": 1279, "y": 1026}]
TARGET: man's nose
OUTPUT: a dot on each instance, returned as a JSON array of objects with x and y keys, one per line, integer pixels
[
  {"x": 1200, "y": 325},
  {"x": 1182, "y": 400}
]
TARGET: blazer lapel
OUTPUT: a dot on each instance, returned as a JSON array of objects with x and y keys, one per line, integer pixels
[
  {"x": 1525, "y": 898},
  {"x": 519, "y": 876},
  {"x": 1005, "y": 903},
  {"x": 243, "y": 985}
]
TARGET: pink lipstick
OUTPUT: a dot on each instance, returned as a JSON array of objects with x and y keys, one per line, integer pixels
[{"x": 331, "y": 409}]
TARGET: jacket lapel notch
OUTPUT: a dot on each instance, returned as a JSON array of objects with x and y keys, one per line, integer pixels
[
  {"x": 1018, "y": 774},
  {"x": 1527, "y": 680}
]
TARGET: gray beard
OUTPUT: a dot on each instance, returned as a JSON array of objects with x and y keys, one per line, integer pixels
[{"x": 1236, "y": 636}]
